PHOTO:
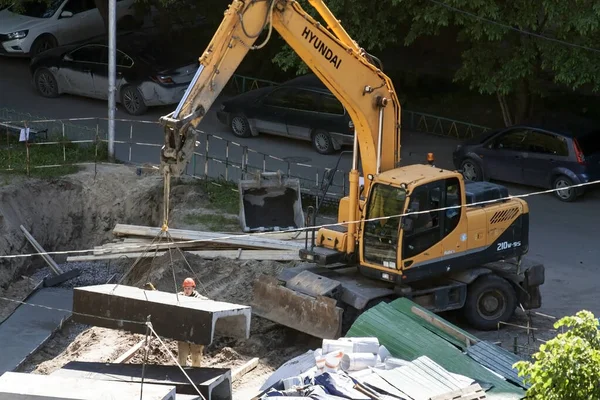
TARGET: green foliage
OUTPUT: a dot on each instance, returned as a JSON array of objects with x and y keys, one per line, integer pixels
[
  {"x": 497, "y": 59},
  {"x": 372, "y": 25},
  {"x": 568, "y": 366}
]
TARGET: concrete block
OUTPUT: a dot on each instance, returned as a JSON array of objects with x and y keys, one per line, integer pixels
[
  {"x": 213, "y": 383},
  {"x": 175, "y": 317},
  {"x": 21, "y": 386}
]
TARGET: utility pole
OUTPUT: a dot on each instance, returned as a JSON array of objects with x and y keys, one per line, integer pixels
[{"x": 112, "y": 72}]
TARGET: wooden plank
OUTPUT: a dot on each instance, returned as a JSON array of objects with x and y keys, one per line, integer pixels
[
  {"x": 128, "y": 355},
  {"x": 257, "y": 241},
  {"x": 272, "y": 255},
  {"x": 111, "y": 248},
  {"x": 244, "y": 369},
  {"x": 51, "y": 263},
  {"x": 443, "y": 325},
  {"x": 473, "y": 392}
]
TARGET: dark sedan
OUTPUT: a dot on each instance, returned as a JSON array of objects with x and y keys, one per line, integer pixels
[
  {"x": 149, "y": 71},
  {"x": 534, "y": 155},
  {"x": 302, "y": 108}
]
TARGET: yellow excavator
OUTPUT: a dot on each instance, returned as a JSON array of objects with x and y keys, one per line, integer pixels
[{"x": 415, "y": 231}]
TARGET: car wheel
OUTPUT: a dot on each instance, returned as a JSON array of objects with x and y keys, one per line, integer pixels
[
  {"x": 45, "y": 83},
  {"x": 471, "y": 170},
  {"x": 240, "y": 126},
  {"x": 490, "y": 299},
  {"x": 42, "y": 44},
  {"x": 322, "y": 142},
  {"x": 132, "y": 101},
  {"x": 564, "y": 192}
]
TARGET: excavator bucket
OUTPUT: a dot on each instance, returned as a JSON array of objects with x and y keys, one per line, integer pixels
[
  {"x": 317, "y": 316},
  {"x": 270, "y": 202}
]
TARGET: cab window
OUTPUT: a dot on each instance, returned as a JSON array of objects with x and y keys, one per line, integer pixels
[
  {"x": 386, "y": 205},
  {"x": 430, "y": 224}
]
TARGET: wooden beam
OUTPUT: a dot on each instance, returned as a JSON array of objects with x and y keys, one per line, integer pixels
[
  {"x": 271, "y": 255},
  {"x": 244, "y": 369},
  {"x": 443, "y": 325},
  {"x": 128, "y": 355},
  {"x": 51, "y": 263},
  {"x": 258, "y": 241}
]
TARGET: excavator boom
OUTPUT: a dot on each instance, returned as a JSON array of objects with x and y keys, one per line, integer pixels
[{"x": 370, "y": 100}]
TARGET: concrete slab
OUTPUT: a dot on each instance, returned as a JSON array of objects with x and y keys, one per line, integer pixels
[
  {"x": 179, "y": 318},
  {"x": 213, "y": 383},
  {"x": 29, "y": 327},
  {"x": 20, "y": 386}
]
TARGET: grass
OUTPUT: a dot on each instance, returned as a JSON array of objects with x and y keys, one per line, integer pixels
[
  {"x": 214, "y": 222},
  {"x": 58, "y": 159},
  {"x": 223, "y": 195}
]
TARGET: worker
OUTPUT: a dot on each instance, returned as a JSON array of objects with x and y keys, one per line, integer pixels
[
  {"x": 184, "y": 348},
  {"x": 149, "y": 286}
]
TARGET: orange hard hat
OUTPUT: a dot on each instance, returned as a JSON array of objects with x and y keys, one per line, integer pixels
[{"x": 189, "y": 282}]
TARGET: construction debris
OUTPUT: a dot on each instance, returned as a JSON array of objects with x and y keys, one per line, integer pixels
[{"x": 176, "y": 317}]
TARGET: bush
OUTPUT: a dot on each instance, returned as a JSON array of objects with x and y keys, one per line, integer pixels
[{"x": 568, "y": 366}]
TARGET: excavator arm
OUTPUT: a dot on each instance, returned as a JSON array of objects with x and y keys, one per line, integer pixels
[{"x": 345, "y": 69}]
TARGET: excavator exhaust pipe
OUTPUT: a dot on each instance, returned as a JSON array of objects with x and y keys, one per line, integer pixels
[
  {"x": 270, "y": 202},
  {"x": 317, "y": 316}
]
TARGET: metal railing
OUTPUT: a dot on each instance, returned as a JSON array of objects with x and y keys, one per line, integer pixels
[
  {"x": 411, "y": 119},
  {"x": 214, "y": 158}
]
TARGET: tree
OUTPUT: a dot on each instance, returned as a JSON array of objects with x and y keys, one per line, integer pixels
[
  {"x": 502, "y": 61},
  {"x": 568, "y": 366},
  {"x": 516, "y": 67},
  {"x": 372, "y": 25}
]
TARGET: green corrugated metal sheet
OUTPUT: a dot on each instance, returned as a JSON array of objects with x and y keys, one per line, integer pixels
[
  {"x": 404, "y": 305},
  {"x": 407, "y": 339}
]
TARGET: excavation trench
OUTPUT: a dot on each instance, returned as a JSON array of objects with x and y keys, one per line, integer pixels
[{"x": 79, "y": 211}]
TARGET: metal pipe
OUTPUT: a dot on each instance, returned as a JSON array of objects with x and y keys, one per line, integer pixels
[
  {"x": 355, "y": 151},
  {"x": 112, "y": 75},
  {"x": 379, "y": 140},
  {"x": 184, "y": 99}
]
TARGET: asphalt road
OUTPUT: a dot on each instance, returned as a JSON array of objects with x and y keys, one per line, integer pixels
[{"x": 563, "y": 236}]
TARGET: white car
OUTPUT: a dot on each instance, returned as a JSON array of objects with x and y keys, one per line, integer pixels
[{"x": 37, "y": 26}]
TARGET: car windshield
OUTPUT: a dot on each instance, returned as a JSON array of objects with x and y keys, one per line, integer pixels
[
  {"x": 589, "y": 143},
  {"x": 36, "y": 9}
]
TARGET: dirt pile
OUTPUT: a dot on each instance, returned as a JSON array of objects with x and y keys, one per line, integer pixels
[{"x": 72, "y": 212}]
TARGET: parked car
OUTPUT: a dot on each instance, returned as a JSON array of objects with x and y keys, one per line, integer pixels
[
  {"x": 302, "y": 108},
  {"x": 542, "y": 156},
  {"x": 150, "y": 72},
  {"x": 41, "y": 25}
]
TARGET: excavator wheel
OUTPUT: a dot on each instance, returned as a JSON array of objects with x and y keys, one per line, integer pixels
[{"x": 490, "y": 299}]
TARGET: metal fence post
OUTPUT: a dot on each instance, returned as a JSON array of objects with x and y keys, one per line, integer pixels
[
  {"x": 8, "y": 146},
  {"x": 206, "y": 157},
  {"x": 63, "y": 142},
  {"x": 226, "y": 160},
  {"x": 244, "y": 161},
  {"x": 264, "y": 162},
  {"x": 130, "y": 140}
]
